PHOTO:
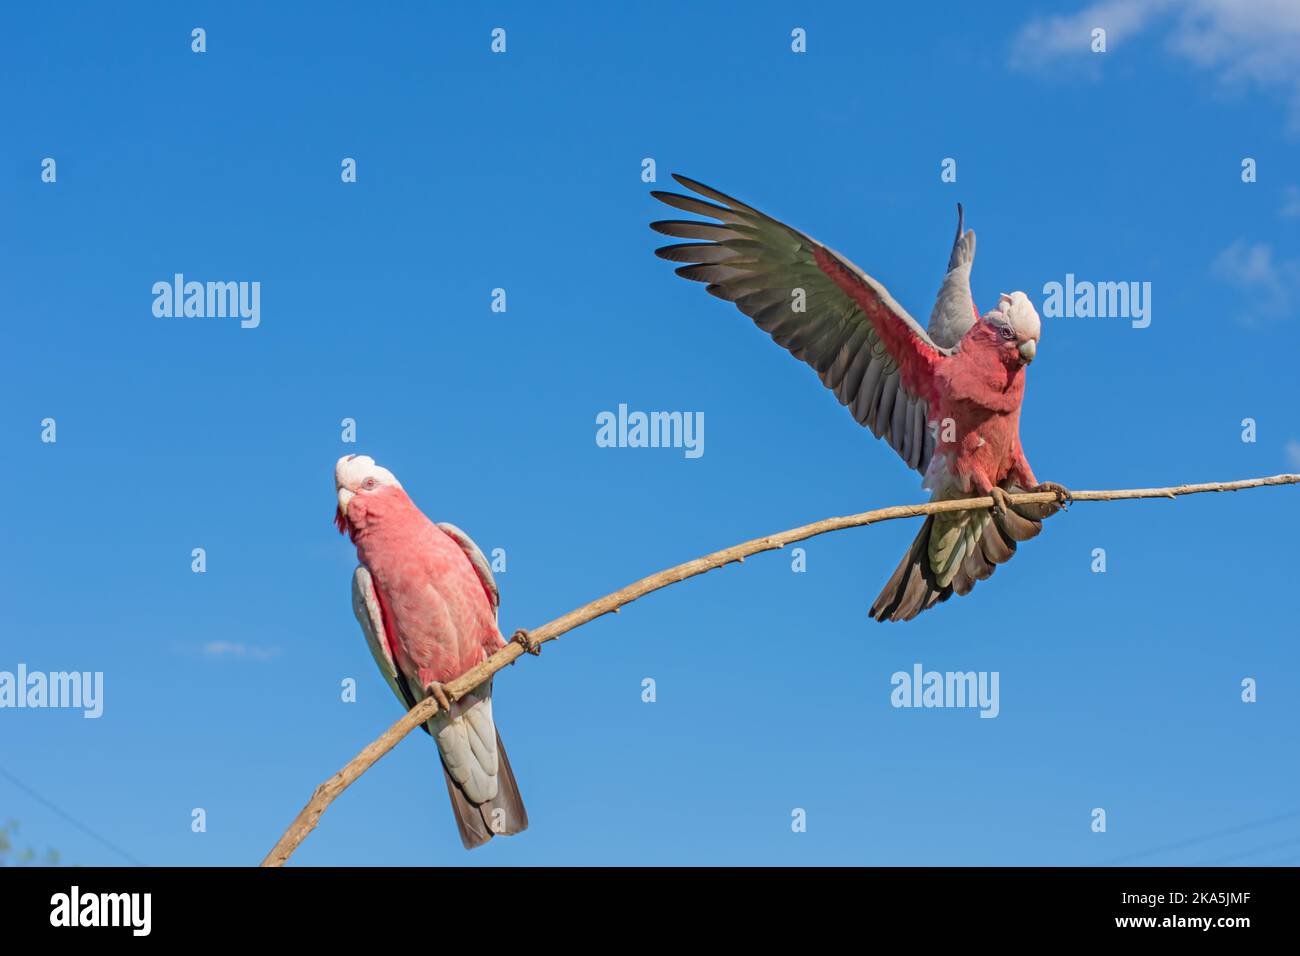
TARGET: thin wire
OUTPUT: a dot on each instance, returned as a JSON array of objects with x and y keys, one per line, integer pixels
[
  {"x": 1286, "y": 860},
  {"x": 1182, "y": 844},
  {"x": 69, "y": 817},
  {"x": 1259, "y": 849}
]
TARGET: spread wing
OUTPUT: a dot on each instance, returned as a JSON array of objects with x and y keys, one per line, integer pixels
[
  {"x": 822, "y": 308},
  {"x": 954, "y": 312},
  {"x": 480, "y": 563}
]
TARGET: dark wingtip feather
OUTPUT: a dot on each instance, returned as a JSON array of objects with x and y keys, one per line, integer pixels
[
  {"x": 697, "y": 206},
  {"x": 693, "y": 272},
  {"x": 714, "y": 194},
  {"x": 693, "y": 252},
  {"x": 696, "y": 186}
]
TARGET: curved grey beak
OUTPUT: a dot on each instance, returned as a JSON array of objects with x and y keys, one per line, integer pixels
[{"x": 1028, "y": 350}]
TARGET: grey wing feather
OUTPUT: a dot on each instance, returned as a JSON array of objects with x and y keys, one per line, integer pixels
[
  {"x": 477, "y": 559},
  {"x": 954, "y": 311},
  {"x": 365, "y": 605},
  {"x": 757, "y": 263}
]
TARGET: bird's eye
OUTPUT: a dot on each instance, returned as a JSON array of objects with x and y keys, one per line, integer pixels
[
  {"x": 369, "y": 484},
  {"x": 1006, "y": 332}
]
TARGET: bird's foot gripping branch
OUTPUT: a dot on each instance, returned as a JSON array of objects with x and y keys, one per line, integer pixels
[{"x": 525, "y": 640}]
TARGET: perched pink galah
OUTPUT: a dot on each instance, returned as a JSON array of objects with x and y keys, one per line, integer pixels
[
  {"x": 947, "y": 399},
  {"x": 427, "y": 603}
]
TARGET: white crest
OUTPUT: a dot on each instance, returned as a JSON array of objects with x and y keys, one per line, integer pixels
[
  {"x": 351, "y": 472},
  {"x": 1015, "y": 310}
]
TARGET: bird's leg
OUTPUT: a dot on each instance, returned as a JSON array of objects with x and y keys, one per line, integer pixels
[
  {"x": 1062, "y": 493},
  {"x": 435, "y": 688},
  {"x": 1001, "y": 501},
  {"x": 525, "y": 640}
]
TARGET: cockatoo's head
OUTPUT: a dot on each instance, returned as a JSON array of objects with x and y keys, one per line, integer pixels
[
  {"x": 1015, "y": 323},
  {"x": 357, "y": 476}
]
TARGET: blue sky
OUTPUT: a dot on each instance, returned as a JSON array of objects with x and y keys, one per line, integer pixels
[{"x": 523, "y": 171}]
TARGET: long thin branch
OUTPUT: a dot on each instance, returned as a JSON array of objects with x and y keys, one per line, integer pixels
[{"x": 325, "y": 794}]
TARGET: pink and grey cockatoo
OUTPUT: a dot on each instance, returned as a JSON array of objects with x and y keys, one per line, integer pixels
[
  {"x": 427, "y": 603},
  {"x": 947, "y": 399}
]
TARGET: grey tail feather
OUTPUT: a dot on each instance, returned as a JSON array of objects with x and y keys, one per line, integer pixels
[
  {"x": 475, "y": 821},
  {"x": 912, "y": 588},
  {"x": 514, "y": 818}
]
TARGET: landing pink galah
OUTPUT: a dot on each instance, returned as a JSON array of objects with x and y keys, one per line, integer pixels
[
  {"x": 427, "y": 603},
  {"x": 947, "y": 398}
]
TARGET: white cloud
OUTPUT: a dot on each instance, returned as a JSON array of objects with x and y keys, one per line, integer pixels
[
  {"x": 1293, "y": 453},
  {"x": 1047, "y": 39},
  {"x": 223, "y": 650},
  {"x": 1244, "y": 43},
  {"x": 1247, "y": 265},
  {"x": 1268, "y": 286},
  {"x": 1290, "y": 203}
]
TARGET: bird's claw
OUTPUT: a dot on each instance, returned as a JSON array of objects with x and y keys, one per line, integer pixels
[
  {"x": 440, "y": 695},
  {"x": 1001, "y": 501},
  {"x": 525, "y": 640},
  {"x": 1062, "y": 493}
]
